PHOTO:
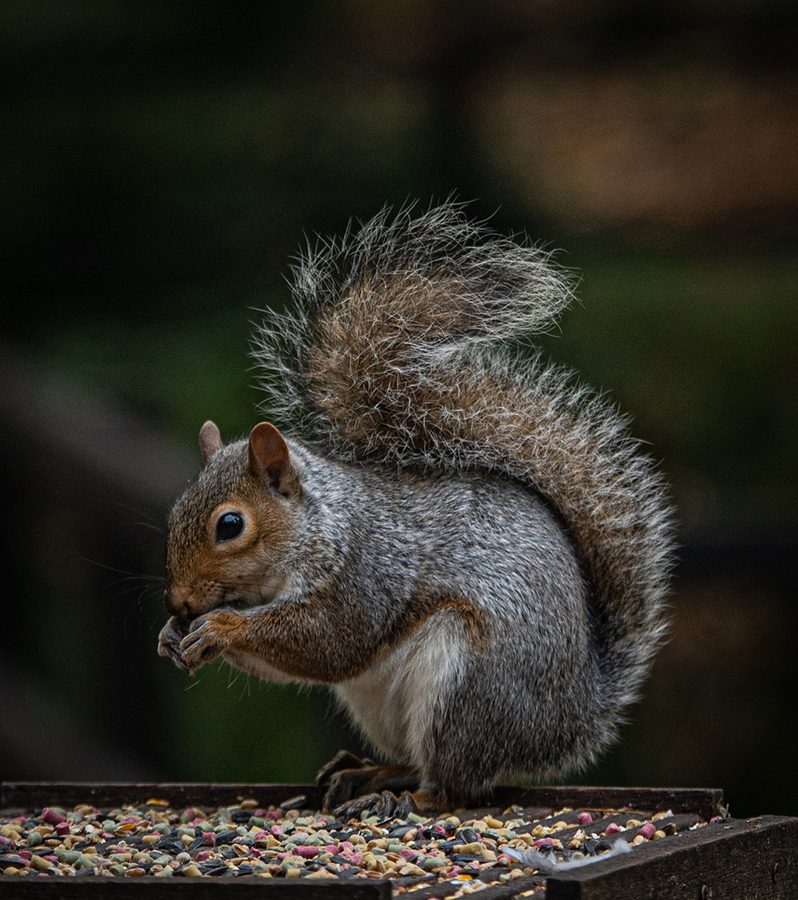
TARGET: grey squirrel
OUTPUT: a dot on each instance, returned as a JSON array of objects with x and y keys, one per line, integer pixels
[{"x": 468, "y": 546}]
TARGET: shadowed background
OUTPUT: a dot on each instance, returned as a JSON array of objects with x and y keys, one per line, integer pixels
[{"x": 159, "y": 166}]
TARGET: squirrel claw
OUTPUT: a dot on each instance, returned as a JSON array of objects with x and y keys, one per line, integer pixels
[
  {"x": 199, "y": 646},
  {"x": 407, "y": 804},
  {"x": 169, "y": 642},
  {"x": 343, "y": 759},
  {"x": 385, "y": 805},
  {"x": 354, "y": 809}
]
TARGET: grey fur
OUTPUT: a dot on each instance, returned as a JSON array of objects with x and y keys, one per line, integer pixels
[
  {"x": 479, "y": 553},
  {"x": 527, "y": 420}
]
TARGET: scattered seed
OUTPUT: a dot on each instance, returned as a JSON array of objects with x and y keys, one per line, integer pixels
[{"x": 244, "y": 840}]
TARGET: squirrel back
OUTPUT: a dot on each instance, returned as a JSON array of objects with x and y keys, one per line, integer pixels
[{"x": 399, "y": 353}]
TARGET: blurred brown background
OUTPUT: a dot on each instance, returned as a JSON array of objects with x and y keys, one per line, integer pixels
[{"x": 159, "y": 165}]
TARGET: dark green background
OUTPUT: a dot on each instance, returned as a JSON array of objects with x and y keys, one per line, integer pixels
[{"x": 159, "y": 165}]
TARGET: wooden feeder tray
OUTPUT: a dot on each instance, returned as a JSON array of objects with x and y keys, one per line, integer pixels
[{"x": 747, "y": 859}]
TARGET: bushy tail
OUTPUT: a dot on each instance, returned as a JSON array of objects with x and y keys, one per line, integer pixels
[{"x": 398, "y": 352}]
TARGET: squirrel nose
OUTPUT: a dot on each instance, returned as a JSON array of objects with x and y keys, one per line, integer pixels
[
  {"x": 176, "y": 602},
  {"x": 187, "y": 601}
]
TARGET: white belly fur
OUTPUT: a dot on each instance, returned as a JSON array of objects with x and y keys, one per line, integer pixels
[{"x": 395, "y": 701}]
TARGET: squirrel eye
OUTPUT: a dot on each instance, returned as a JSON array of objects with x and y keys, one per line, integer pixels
[{"x": 229, "y": 526}]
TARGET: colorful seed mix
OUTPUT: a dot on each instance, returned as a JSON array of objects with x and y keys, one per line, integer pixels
[{"x": 468, "y": 850}]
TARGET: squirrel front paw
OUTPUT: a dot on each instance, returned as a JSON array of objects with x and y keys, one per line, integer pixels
[
  {"x": 209, "y": 636},
  {"x": 169, "y": 640}
]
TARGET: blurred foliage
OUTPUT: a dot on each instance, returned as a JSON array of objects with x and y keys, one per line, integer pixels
[
  {"x": 162, "y": 163},
  {"x": 700, "y": 348}
]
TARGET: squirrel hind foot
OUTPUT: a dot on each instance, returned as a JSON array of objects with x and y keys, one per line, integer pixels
[
  {"x": 346, "y": 779},
  {"x": 384, "y": 805},
  {"x": 343, "y": 759},
  {"x": 355, "y": 787},
  {"x": 387, "y": 805}
]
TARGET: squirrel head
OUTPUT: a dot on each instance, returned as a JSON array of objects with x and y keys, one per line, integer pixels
[{"x": 229, "y": 533}]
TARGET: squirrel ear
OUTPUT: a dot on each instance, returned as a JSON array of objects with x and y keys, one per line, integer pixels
[
  {"x": 269, "y": 456},
  {"x": 210, "y": 440}
]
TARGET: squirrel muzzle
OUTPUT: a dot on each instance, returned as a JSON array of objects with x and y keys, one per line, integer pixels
[{"x": 188, "y": 602}]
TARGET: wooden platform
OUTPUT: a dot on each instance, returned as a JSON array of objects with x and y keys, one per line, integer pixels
[{"x": 747, "y": 859}]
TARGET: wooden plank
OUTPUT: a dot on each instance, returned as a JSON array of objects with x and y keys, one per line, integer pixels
[
  {"x": 495, "y": 888},
  {"x": 101, "y": 888},
  {"x": 494, "y": 891},
  {"x": 755, "y": 859},
  {"x": 500, "y": 891},
  {"x": 32, "y": 795},
  {"x": 705, "y": 802}
]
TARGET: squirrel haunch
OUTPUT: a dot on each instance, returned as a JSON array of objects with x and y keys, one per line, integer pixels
[{"x": 467, "y": 545}]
